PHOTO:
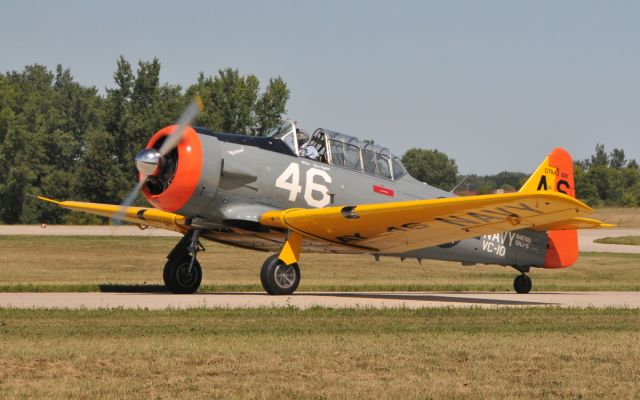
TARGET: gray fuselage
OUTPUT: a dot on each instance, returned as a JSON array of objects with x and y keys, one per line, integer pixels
[{"x": 243, "y": 177}]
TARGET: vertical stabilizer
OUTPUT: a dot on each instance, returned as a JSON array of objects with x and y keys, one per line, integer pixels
[{"x": 556, "y": 174}]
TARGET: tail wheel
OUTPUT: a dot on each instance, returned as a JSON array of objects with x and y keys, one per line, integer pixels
[
  {"x": 181, "y": 279},
  {"x": 279, "y": 278},
  {"x": 522, "y": 284}
]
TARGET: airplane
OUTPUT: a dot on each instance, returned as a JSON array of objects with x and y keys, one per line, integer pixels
[{"x": 346, "y": 196}]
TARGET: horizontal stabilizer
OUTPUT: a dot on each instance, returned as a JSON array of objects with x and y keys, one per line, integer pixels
[{"x": 574, "y": 223}]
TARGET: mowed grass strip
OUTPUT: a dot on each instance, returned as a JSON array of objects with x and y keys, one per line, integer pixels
[
  {"x": 58, "y": 263},
  {"x": 628, "y": 240},
  {"x": 320, "y": 353}
]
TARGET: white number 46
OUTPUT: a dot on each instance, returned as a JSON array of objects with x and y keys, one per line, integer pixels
[{"x": 290, "y": 180}]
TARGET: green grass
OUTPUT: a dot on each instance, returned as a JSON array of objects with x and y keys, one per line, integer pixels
[
  {"x": 320, "y": 353},
  {"x": 629, "y": 240},
  {"x": 56, "y": 263}
]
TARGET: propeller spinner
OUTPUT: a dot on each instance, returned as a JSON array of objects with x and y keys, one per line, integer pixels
[{"x": 148, "y": 162}]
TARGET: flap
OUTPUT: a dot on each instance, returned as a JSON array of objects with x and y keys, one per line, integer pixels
[{"x": 410, "y": 225}]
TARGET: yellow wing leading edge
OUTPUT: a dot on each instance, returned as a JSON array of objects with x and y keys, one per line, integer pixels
[{"x": 136, "y": 215}]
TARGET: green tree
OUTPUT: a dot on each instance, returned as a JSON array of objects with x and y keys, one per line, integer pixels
[
  {"x": 99, "y": 178},
  {"x": 29, "y": 147},
  {"x": 14, "y": 189},
  {"x": 586, "y": 190},
  {"x": 616, "y": 159},
  {"x": 608, "y": 179},
  {"x": 600, "y": 157},
  {"x": 118, "y": 118},
  {"x": 233, "y": 103},
  {"x": 43, "y": 120},
  {"x": 509, "y": 181},
  {"x": 271, "y": 106},
  {"x": 431, "y": 166}
]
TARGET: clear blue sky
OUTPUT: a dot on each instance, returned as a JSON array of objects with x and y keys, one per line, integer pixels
[{"x": 494, "y": 84}]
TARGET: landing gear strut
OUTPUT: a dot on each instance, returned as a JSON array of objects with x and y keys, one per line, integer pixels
[{"x": 182, "y": 272}]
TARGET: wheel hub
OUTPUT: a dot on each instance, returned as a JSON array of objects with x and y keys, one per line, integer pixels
[
  {"x": 184, "y": 276},
  {"x": 285, "y": 276}
]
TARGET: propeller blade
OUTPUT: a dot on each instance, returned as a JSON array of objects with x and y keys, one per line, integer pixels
[
  {"x": 131, "y": 197},
  {"x": 185, "y": 120}
]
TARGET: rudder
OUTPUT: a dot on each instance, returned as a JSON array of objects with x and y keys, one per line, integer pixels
[{"x": 556, "y": 174}]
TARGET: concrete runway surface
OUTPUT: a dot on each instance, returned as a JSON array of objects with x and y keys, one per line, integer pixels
[
  {"x": 587, "y": 236},
  {"x": 303, "y": 300}
]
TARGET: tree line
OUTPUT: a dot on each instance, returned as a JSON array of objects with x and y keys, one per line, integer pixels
[
  {"x": 604, "y": 179},
  {"x": 608, "y": 179},
  {"x": 67, "y": 141},
  {"x": 439, "y": 170}
]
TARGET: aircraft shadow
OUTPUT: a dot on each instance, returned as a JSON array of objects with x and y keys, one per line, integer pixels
[
  {"x": 432, "y": 298},
  {"x": 120, "y": 288}
]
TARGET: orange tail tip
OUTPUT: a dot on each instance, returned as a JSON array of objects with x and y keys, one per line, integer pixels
[{"x": 556, "y": 174}]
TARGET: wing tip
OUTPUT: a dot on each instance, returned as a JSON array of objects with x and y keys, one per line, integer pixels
[{"x": 48, "y": 200}]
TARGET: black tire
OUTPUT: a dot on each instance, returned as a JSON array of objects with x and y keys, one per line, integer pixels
[
  {"x": 177, "y": 278},
  {"x": 522, "y": 284},
  {"x": 278, "y": 278}
]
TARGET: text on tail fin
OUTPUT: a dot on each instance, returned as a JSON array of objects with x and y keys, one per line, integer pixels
[{"x": 554, "y": 174}]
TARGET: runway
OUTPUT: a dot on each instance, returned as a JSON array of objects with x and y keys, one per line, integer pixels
[{"x": 157, "y": 301}]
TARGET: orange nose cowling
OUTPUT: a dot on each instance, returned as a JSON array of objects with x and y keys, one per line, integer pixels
[{"x": 187, "y": 173}]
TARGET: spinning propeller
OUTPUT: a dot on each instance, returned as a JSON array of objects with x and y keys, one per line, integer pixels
[{"x": 149, "y": 161}]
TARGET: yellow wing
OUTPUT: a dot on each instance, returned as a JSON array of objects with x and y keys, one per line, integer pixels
[
  {"x": 409, "y": 225},
  {"x": 136, "y": 215}
]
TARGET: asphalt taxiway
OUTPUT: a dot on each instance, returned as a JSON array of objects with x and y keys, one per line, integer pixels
[{"x": 155, "y": 301}]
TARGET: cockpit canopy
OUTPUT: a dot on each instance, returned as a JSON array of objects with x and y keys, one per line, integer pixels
[{"x": 342, "y": 150}]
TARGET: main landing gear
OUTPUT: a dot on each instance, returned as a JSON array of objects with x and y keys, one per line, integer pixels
[
  {"x": 522, "y": 283},
  {"x": 280, "y": 273},
  {"x": 182, "y": 272},
  {"x": 279, "y": 278}
]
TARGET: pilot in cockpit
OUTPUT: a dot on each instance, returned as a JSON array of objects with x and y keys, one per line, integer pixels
[{"x": 306, "y": 149}]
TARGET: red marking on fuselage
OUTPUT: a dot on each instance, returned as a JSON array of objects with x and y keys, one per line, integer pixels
[{"x": 383, "y": 190}]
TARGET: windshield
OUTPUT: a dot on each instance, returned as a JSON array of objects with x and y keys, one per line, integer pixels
[
  {"x": 280, "y": 131},
  {"x": 285, "y": 132}
]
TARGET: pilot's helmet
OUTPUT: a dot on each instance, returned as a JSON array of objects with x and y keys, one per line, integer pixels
[{"x": 302, "y": 137}]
